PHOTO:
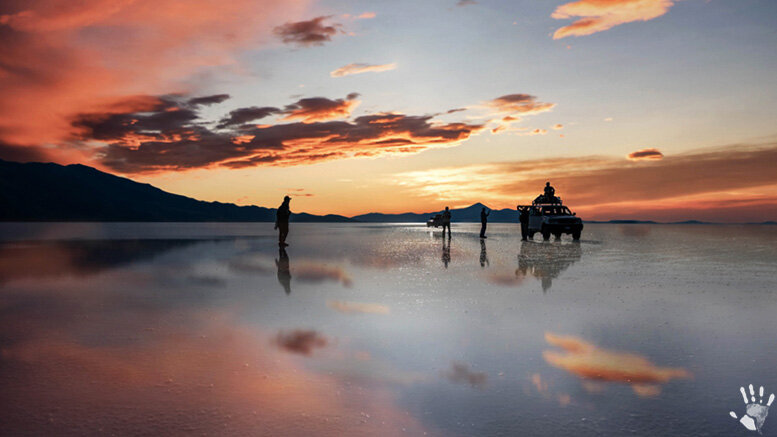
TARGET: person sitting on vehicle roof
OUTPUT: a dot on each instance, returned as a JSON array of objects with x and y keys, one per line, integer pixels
[{"x": 550, "y": 192}]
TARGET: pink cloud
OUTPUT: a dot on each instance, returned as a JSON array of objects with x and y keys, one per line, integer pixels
[
  {"x": 64, "y": 58},
  {"x": 357, "y": 68},
  {"x": 599, "y": 15},
  {"x": 646, "y": 154}
]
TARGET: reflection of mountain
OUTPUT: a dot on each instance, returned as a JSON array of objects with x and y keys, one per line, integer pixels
[
  {"x": 546, "y": 261},
  {"x": 60, "y": 258}
]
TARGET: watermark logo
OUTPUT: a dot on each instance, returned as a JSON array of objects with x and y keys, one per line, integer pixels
[{"x": 755, "y": 410}]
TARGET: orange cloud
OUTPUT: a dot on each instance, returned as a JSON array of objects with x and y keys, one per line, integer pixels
[
  {"x": 590, "y": 362},
  {"x": 167, "y": 134},
  {"x": 321, "y": 109},
  {"x": 350, "y": 69},
  {"x": 646, "y": 154},
  {"x": 599, "y": 15},
  {"x": 307, "y": 33},
  {"x": 536, "y": 131},
  {"x": 711, "y": 184},
  {"x": 519, "y": 104},
  {"x": 60, "y": 59},
  {"x": 509, "y": 109}
]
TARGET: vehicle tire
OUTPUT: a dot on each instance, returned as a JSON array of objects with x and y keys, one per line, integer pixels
[
  {"x": 576, "y": 235},
  {"x": 557, "y": 235},
  {"x": 545, "y": 234}
]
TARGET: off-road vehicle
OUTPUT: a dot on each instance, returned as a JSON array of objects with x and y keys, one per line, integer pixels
[
  {"x": 435, "y": 220},
  {"x": 553, "y": 219}
]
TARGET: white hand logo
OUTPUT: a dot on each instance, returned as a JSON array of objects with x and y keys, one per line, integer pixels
[{"x": 755, "y": 412}]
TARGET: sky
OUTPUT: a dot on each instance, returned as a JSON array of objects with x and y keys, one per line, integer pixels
[{"x": 632, "y": 109}]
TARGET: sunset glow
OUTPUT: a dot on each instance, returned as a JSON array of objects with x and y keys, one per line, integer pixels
[{"x": 638, "y": 109}]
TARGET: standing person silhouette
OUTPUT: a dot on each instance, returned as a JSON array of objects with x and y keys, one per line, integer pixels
[
  {"x": 446, "y": 221},
  {"x": 524, "y": 219},
  {"x": 483, "y": 222},
  {"x": 282, "y": 221}
]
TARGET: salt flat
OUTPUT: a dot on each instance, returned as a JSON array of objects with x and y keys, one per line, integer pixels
[{"x": 210, "y": 329}]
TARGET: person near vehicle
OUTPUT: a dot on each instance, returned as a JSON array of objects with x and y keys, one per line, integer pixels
[
  {"x": 282, "y": 221},
  {"x": 483, "y": 222},
  {"x": 446, "y": 221},
  {"x": 550, "y": 193},
  {"x": 524, "y": 219}
]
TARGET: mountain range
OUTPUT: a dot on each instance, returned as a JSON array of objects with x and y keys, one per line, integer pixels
[
  {"x": 51, "y": 192},
  {"x": 37, "y": 191}
]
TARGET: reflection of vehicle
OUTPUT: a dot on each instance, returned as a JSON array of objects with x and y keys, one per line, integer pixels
[
  {"x": 435, "y": 221},
  {"x": 553, "y": 219},
  {"x": 546, "y": 261}
]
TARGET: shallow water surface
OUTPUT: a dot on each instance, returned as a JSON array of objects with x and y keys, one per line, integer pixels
[{"x": 210, "y": 329}]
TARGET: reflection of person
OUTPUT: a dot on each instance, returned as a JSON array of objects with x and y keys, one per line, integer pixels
[
  {"x": 284, "y": 270},
  {"x": 524, "y": 219},
  {"x": 483, "y": 222},
  {"x": 483, "y": 256},
  {"x": 282, "y": 221},
  {"x": 446, "y": 221},
  {"x": 446, "y": 252}
]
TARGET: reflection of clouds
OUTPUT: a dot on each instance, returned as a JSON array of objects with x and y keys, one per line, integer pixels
[
  {"x": 300, "y": 341},
  {"x": 319, "y": 272},
  {"x": 310, "y": 271},
  {"x": 542, "y": 387},
  {"x": 215, "y": 379},
  {"x": 252, "y": 265},
  {"x": 590, "y": 362},
  {"x": 363, "y": 368},
  {"x": 357, "y": 307},
  {"x": 538, "y": 383},
  {"x": 77, "y": 258},
  {"x": 505, "y": 279},
  {"x": 546, "y": 261},
  {"x": 461, "y": 373},
  {"x": 207, "y": 281}
]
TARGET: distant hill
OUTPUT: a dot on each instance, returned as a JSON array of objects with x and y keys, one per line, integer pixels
[
  {"x": 468, "y": 214},
  {"x": 623, "y": 222},
  {"x": 52, "y": 192}
]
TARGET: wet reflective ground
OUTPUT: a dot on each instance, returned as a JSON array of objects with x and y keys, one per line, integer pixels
[{"x": 209, "y": 329}]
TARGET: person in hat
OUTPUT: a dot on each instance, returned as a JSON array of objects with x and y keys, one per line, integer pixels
[{"x": 282, "y": 221}]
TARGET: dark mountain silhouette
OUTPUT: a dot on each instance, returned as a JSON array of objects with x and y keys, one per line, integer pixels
[
  {"x": 51, "y": 192},
  {"x": 468, "y": 214}
]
